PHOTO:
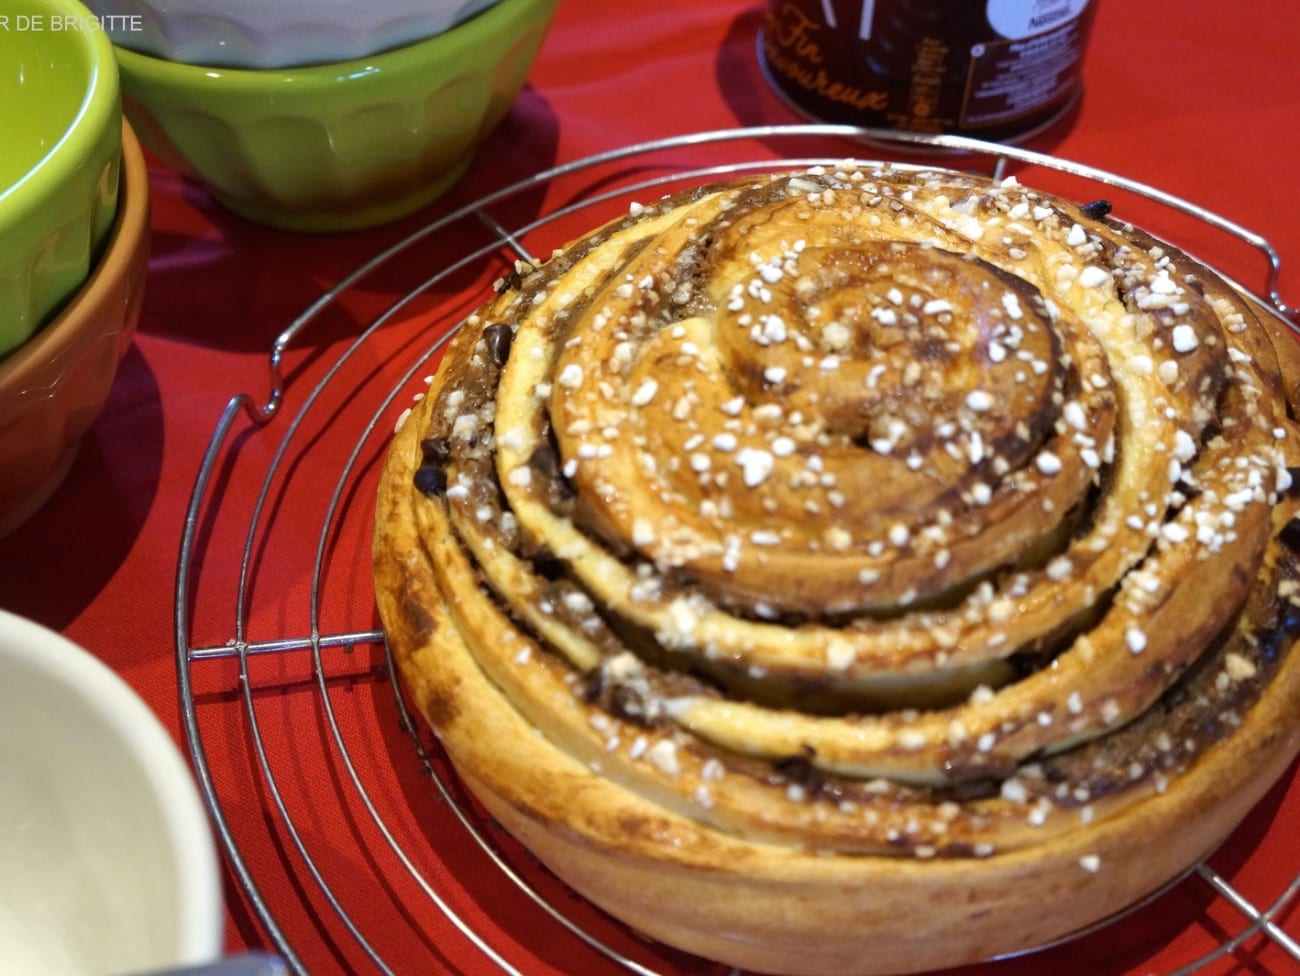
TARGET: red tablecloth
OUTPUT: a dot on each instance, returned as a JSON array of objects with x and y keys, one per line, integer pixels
[{"x": 1200, "y": 99}]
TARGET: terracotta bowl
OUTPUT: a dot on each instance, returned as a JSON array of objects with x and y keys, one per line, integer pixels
[{"x": 53, "y": 387}]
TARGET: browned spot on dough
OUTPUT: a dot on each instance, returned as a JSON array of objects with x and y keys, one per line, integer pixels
[{"x": 441, "y": 710}]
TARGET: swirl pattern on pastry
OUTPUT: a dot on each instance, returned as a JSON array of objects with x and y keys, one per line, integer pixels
[{"x": 876, "y": 512}]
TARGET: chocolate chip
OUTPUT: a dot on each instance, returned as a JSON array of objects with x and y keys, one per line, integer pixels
[
  {"x": 511, "y": 279},
  {"x": 976, "y": 789},
  {"x": 1174, "y": 698},
  {"x": 430, "y": 479},
  {"x": 1274, "y": 642},
  {"x": 799, "y": 769},
  {"x": 548, "y": 567},
  {"x": 1097, "y": 209},
  {"x": 498, "y": 337},
  {"x": 435, "y": 450},
  {"x": 545, "y": 460},
  {"x": 971, "y": 768},
  {"x": 593, "y": 686}
]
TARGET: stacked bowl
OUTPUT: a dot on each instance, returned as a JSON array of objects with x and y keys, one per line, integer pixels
[
  {"x": 107, "y": 862},
  {"x": 73, "y": 242},
  {"x": 321, "y": 115}
]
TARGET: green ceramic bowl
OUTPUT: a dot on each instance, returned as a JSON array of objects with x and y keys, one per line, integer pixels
[
  {"x": 60, "y": 152},
  {"x": 338, "y": 146}
]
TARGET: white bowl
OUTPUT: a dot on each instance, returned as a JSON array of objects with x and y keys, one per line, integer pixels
[
  {"x": 275, "y": 33},
  {"x": 107, "y": 862}
]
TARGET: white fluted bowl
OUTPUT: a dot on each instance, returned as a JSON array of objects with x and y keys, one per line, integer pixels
[{"x": 275, "y": 33}]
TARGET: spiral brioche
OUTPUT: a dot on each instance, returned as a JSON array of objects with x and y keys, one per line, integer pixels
[{"x": 824, "y": 572}]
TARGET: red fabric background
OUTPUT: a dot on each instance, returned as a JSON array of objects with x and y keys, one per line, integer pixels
[{"x": 1201, "y": 99}]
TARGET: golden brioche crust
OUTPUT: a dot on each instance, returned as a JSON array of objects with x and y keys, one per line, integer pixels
[{"x": 855, "y": 558}]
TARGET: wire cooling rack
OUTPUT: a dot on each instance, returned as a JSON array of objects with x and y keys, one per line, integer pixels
[{"x": 341, "y": 821}]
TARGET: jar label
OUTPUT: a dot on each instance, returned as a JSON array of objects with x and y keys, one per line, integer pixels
[
  {"x": 1009, "y": 79},
  {"x": 1015, "y": 19},
  {"x": 996, "y": 69}
]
